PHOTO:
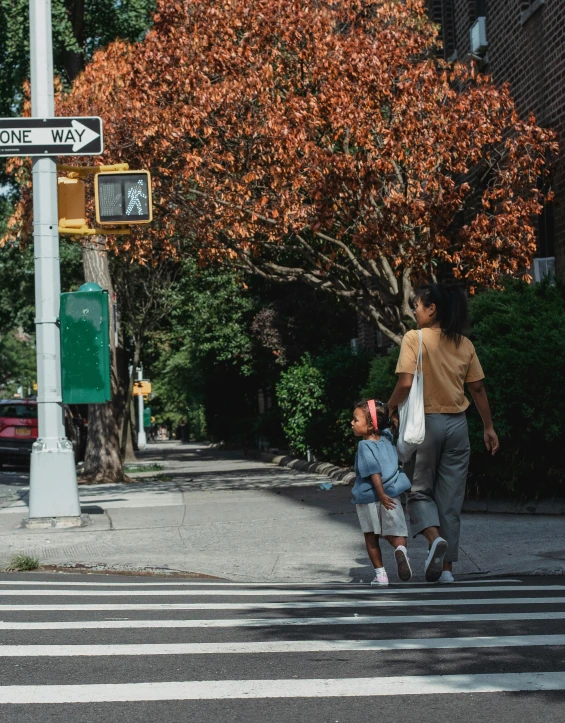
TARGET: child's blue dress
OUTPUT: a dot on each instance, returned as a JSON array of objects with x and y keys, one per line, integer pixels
[{"x": 377, "y": 457}]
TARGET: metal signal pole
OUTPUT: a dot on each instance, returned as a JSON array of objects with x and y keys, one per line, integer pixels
[
  {"x": 53, "y": 498},
  {"x": 141, "y": 436}
]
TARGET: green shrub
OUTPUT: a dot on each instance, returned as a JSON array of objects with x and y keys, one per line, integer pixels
[
  {"x": 300, "y": 396},
  {"x": 196, "y": 418},
  {"x": 519, "y": 334},
  {"x": 382, "y": 377},
  {"x": 315, "y": 397}
]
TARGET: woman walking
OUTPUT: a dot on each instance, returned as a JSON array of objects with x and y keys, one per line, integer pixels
[{"x": 438, "y": 469}]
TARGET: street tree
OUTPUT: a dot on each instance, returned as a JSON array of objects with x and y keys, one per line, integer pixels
[
  {"x": 80, "y": 27},
  {"x": 322, "y": 142},
  {"x": 147, "y": 295},
  {"x": 318, "y": 142}
]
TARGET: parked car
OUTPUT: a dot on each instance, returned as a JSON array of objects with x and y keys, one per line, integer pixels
[{"x": 18, "y": 429}]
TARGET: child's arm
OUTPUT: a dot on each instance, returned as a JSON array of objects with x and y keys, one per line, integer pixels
[{"x": 387, "y": 502}]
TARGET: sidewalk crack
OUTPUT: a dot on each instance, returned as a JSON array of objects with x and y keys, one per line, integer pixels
[{"x": 107, "y": 513}]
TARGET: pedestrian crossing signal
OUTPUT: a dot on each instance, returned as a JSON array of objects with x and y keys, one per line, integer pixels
[{"x": 123, "y": 197}]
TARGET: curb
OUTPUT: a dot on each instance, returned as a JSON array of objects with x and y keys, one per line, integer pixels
[
  {"x": 553, "y": 507},
  {"x": 326, "y": 469}
]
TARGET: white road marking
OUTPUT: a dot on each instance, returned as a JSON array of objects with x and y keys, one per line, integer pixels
[
  {"x": 298, "y": 605},
  {"x": 372, "y": 591},
  {"x": 293, "y": 688},
  {"x": 275, "y": 622},
  {"x": 294, "y": 646},
  {"x": 252, "y": 584}
]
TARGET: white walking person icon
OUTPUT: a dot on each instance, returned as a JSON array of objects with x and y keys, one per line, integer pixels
[{"x": 134, "y": 194}]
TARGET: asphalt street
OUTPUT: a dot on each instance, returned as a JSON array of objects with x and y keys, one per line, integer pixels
[{"x": 114, "y": 648}]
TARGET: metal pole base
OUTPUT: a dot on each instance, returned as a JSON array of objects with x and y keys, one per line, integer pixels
[
  {"x": 42, "y": 523},
  {"x": 53, "y": 480}
]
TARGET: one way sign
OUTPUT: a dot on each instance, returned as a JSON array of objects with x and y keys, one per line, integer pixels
[{"x": 51, "y": 137}]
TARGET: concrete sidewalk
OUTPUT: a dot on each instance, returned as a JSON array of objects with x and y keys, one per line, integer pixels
[{"x": 218, "y": 513}]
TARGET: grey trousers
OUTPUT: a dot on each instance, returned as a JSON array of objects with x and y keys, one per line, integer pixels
[{"x": 438, "y": 471}]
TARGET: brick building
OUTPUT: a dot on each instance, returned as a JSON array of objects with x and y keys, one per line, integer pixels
[{"x": 522, "y": 42}]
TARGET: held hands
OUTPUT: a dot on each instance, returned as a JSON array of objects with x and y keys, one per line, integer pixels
[
  {"x": 491, "y": 440},
  {"x": 387, "y": 502}
]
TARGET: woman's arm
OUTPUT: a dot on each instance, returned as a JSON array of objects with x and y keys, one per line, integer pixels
[
  {"x": 386, "y": 501},
  {"x": 401, "y": 391},
  {"x": 479, "y": 394}
]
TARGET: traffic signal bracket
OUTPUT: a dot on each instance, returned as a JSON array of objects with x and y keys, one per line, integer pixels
[{"x": 77, "y": 225}]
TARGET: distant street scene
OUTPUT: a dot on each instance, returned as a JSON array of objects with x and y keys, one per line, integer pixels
[{"x": 282, "y": 357}]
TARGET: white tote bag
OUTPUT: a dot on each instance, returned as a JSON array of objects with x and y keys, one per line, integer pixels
[{"x": 412, "y": 425}]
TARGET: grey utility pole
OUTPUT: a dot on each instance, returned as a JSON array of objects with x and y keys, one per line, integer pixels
[
  {"x": 141, "y": 436},
  {"x": 53, "y": 498}
]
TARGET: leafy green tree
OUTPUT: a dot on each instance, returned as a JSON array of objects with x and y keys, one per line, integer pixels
[
  {"x": 300, "y": 396},
  {"x": 17, "y": 363},
  {"x": 205, "y": 356},
  {"x": 80, "y": 27},
  {"x": 215, "y": 309},
  {"x": 519, "y": 334},
  {"x": 316, "y": 397}
]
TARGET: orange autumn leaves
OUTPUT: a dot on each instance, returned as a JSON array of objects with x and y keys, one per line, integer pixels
[{"x": 321, "y": 141}]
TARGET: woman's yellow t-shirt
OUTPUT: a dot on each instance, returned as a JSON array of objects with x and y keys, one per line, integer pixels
[{"x": 446, "y": 369}]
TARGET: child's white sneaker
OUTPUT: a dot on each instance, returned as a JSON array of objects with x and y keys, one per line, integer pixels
[
  {"x": 381, "y": 578},
  {"x": 402, "y": 563},
  {"x": 446, "y": 576}
]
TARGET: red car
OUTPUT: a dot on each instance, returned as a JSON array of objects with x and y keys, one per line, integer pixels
[{"x": 18, "y": 429}]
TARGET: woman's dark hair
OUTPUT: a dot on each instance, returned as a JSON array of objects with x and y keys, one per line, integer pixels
[
  {"x": 451, "y": 309},
  {"x": 383, "y": 419}
]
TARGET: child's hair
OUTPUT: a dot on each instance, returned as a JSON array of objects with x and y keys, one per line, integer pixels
[
  {"x": 451, "y": 304},
  {"x": 383, "y": 419}
]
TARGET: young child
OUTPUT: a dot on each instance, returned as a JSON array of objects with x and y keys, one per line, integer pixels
[{"x": 376, "y": 467}]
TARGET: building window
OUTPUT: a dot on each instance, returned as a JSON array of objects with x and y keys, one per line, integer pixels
[
  {"x": 442, "y": 13},
  {"x": 476, "y": 9},
  {"x": 546, "y": 231},
  {"x": 528, "y": 8}
]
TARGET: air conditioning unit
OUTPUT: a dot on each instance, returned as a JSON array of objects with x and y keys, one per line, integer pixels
[
  {"x": 542, "y": 268},
  {"x": 479, "y": 44}
]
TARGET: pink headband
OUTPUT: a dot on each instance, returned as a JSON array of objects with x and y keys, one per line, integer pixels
[{"x": 373, "y": 413}]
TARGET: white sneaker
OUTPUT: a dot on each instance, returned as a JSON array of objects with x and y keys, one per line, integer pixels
[
  {"x": 446, "y": 576},
  {"x": 434, "y": 561},
  {"x": 381, "y": 578},
  {"x": 402, "y": 563}
]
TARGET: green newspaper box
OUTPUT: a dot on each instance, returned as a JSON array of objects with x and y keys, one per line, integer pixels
[{"x": 85, "y": 346}]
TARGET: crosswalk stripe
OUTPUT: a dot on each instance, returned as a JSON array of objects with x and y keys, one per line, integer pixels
[
  {"x": 275, "y": 622},
  {"x": 293, "y": 646},
  {"x": 298, "y": 605},
  {"x": 367, "y": 590},
  {"x": 221, "y": 584},
  {"x": 284, "y": 688}
]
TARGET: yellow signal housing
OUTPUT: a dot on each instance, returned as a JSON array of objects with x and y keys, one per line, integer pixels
[
  {"x": 142, "y": 388},
  {"x": 123, "y": 197},
  {"x": 71, "y": 202}
]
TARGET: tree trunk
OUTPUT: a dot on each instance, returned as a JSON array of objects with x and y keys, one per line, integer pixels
[
  {"x": 129, "y": 452},
  {"x": 74, "y": 62},
  {"x": 103, "y": 461}
]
